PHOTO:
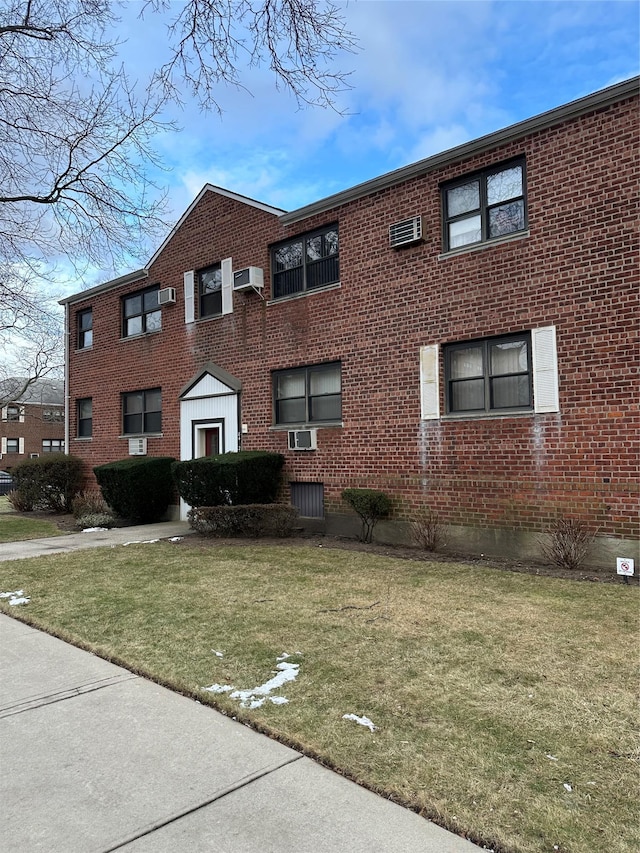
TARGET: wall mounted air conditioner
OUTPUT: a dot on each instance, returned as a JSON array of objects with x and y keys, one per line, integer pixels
[
  {"x": 250, "y": 278},
  {"x": 303, "y": 439},
  {"x": 405, "y": 232},
  {"x": 137, "y": 447},
  {"x": 167, "y": 296}
]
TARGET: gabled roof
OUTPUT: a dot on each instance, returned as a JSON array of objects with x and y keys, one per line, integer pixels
[
  {"x": 210, "y": 188},
  {"x": 42, "y": 392}
]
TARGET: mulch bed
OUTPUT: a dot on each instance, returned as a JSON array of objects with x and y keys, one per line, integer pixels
[{"x": 403, "y": 552}]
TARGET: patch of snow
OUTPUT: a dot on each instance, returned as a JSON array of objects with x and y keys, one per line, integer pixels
[
  {"x": 176, "y": 539},
  {"x": 94, "y": 529},
  {"x": 551, "y": 757},
  {"x": 217, "y": 654},
  {"x": 283, "y": 656},
  {"x": 17, "y": 597},
  {"x": 567, "y": 787},
  {"x": 362, "y": 721},
  {"x": 256, "y": 697}
]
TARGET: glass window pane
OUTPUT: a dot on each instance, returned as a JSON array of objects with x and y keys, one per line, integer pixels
[
  {"x": 134, "y": 326},
  {"x": 326, "y": 408},
  {"x": 465, "y": 231},
  {"x": 466, "y": 362},
  {"x": 132, "y": 403},
  {"x": 291, "y": 385},
  {"x": 509, "y": 357},
  {"x": 291, "y": 411},
  {"x": 150, "y": 300},
  {"x": 504, "y": 185},
  {"x": 211, "y": 280},
  {"x": 86, "y": 318},
  {"x": 153, "y": 422},
  {"x": 508, "y": 392},
  {"x": 467, "y": 395},
  {"x": 84, "y": 408},
  {"x": 326, "y": 381},
  {"x": 154, "y": 321},
  {"x": 153, "y": 400},
  {"x": 87, "y": 338},
  {"x": 506, "y": 218},
  {"x": 132, "y": 305},
  {"x": 132, "y": 423},
  {"x": 314, "y": 248},
  {"x": 463, "y": 199},
  {"x": 331, "y": 242},
  {"x": 287, "y": 257}
]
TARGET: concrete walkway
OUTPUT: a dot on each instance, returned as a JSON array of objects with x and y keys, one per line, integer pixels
[{"x": 95, "y": 759}]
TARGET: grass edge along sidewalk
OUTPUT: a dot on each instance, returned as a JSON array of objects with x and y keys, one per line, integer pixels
[{"x": 503, "y": 704}]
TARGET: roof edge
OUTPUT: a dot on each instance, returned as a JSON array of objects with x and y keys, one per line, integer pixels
[
  {"x": 542, "y": 121},
  {"x": 108, "y": 285}
]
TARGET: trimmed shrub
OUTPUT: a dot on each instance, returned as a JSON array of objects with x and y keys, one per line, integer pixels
[
  {"x": 371, "y": 505},
  {"x": 252, "y": 520},
  {"x": 229, "y": 479},
  {"x": 139, "y": 488},
  {"x": 96, "y": 519},
  {"x": 49, "y": 482}
]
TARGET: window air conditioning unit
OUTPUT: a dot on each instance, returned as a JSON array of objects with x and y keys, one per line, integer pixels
[
  {"x": 405, "y": 232},
  {"x": 137, "y": 447},
  {"x": 303, "y": 439},
  {"x": 167, "y": 296},
  {"x": 250, "y": 278}
]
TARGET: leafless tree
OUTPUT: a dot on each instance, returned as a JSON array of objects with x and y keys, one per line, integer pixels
[{"x": 76, "y": 135}]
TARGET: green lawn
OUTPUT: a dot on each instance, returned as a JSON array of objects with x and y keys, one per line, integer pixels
[
  {"x": 504, "y": 703},
  {"x": 15, "y": 528}
]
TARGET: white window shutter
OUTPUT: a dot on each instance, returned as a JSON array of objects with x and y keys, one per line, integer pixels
[
  {"x": 429, "y": 385},
  {"x": 189, "y": 297},
  {"x": 4, "y": 413},
  {"x": 227, "y": 286},
  {"x": 545, "y": 370},
  {"x": 4, "y": 445},
  {"x": 21, "y": 416},
  {"x": 21, "y": 445}
]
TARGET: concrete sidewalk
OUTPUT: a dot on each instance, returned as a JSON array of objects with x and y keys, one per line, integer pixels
[
  {"x": 96, "y": 759},
  {"x": 95, "y": 539}
]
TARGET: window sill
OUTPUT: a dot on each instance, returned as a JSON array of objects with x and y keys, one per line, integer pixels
[
  {"x": 483, "y": 416},
  {"x": 486, "y": 244},
  {"x": 84, "y": 349},
  {"x": 323, "y": 425},
  {"x": 278, "y": 299},
  {"x": 128, "y": 435},
  {"x": 82, "y": 438},
  {"x": 141, "y": 335}
]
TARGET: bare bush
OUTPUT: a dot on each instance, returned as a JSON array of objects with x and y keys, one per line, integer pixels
[
  {"x": 428, "y": 531},
  {"x": 570, "y": 540}
]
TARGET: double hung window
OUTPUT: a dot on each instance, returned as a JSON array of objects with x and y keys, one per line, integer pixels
[
  {"x": 210, "y": 291},
  {"x": 489, "y": 375},
  {"x": 13, "y": 413},
  {"x": 485, "y": 206},
  {"x": 52, "y": 445},
  {"x": 85, "y": 329},
  {"x": 85, "y": 417},
  {"x": 142, "y": 412},
  {"x": 141, "y": 312},
  {"x": 13, "y": 445},
  {"x": 308, "y": 395},
  {"x": 306, "y": 263}
]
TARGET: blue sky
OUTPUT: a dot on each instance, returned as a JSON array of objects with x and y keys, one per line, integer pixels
[{"x": 427, "y": 76}]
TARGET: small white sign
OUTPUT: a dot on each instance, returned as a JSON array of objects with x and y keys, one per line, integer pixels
[{"x": 625, "y": 565}]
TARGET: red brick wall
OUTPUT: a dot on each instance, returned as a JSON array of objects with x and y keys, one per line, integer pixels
[
  {"x": 33, "y": 430},
  {"x": 576, "y": 268}
]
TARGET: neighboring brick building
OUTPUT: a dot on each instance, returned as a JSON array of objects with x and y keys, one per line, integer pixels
[
  {"x": 459, "y": 333},
  {"x": 33, "y": 422}
]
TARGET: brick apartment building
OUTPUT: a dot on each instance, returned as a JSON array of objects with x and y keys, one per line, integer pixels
[
  {"x": 31, "y": 421},
  {"x": 460, "y": 333}
]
